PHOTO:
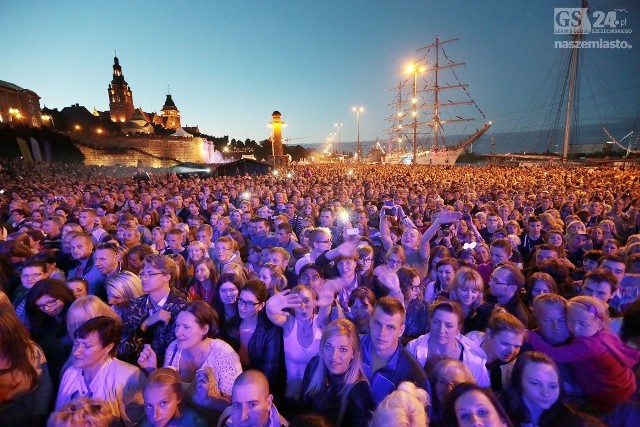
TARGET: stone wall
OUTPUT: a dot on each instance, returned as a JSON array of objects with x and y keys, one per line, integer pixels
[{"x": 150, "y": 151}]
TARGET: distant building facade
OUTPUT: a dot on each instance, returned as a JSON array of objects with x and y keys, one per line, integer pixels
[{"x": 18, "y": 105}]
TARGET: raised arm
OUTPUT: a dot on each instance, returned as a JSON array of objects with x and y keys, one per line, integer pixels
[
  {"x": 346, "y": 248},
  {"x": 278, "y": 303},
  {"x": 385, "y": 232}
]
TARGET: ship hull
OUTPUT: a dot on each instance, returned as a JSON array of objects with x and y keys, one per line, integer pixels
[
  {"x": 435, "y": 158},
  {"x": 440, "y": 156}
]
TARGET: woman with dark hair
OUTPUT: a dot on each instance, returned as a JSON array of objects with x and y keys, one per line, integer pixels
[
  {"x": 181, "y": 277},
  {"x": 47, "y": 304},
  {"x": 417, "y": 309},
  {"x": 470, "y": 405},
  {"x": 25, "y": 386},
  {"x": 437, "y": 254},
  {"x": 445, "y": 340},
  {"x": 361, "y": 303},
  {"x": 229, "y": 286},
  {"x": 295, "y": 312},
  {"x": 534, "y": 394},
  {"x": 203, "y": 285},
  {"x": 97, "y": 373},
  {"x": 334, "y": 383},
  {"x": 260, "y": 340},
  {"x": 539, "y": 283},
  {"x": 197, "y": 348}
]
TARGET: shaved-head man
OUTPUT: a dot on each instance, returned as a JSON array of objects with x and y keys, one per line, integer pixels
[{"x": 251, "y": 402}]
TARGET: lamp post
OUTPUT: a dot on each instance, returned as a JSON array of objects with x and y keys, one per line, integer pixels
[
  {"x": 415, "y": 69},
  {"x": 338, "y": 125},
  {"x": 358, "y": 110}
]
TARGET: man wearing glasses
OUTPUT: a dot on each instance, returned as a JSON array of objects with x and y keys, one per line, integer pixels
[
  {"x": 505, "y": 284},
  {"x": 150, "y": 319}
]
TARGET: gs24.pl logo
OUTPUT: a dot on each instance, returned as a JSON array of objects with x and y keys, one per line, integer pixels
[{"x": 576, "y": 20}]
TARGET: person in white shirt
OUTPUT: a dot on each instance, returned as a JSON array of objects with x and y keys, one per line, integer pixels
[{"x": 95, "y": 372}]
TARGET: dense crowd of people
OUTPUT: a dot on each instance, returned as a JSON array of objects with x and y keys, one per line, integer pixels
[{"x": 321, "y": 295}]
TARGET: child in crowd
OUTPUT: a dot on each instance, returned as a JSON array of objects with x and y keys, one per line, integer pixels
[
  {"x": 162, "y": 398},
  {"x": 601, "y": 363}
]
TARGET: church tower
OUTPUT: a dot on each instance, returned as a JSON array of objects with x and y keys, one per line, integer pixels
[
  {"x": 170, "y": 114},
  {"x": 120, "y": 95}
]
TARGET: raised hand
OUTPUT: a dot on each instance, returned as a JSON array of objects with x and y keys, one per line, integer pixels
[{"x": 148, "y": 360}]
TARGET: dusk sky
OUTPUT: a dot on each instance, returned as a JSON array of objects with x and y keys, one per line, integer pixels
[{"x": 229, "y": 64}]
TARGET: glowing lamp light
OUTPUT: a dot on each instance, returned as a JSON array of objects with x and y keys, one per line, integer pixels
[
  {"x": 344, "y": 216},
  {"x": 289, "y": 174},
  {"x": 77, "y": 127},
  {"x": 276, "y": 172},
  {"x": 246, "y": 195},
  {"x": 350, "y": 172},
  {"x": 99, "y": 131}
]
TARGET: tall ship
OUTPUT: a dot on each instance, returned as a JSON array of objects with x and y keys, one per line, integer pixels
[{"x": 434, "y": 118}]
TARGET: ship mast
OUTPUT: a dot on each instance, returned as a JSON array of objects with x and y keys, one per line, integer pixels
[
  {"x": 573, "y": 75},
  {"x": 435, "y": 123},
  {"x": 436, "y": 101}
]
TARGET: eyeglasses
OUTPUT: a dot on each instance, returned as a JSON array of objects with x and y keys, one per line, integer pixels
[
  {"x": 247, "y": 304},
  {"x": 495, "y": 282},
  {"x": 31, "y": 276},
  {"x": 144, "y": 274},
  {"x": 366, "y": 260},
  {"x": 394, "y": 261},
  {"x": 323, "y": 241},
  {"x": 47, "y": 305},
  {"x": 223, "y": 249},
  {"x": 415, "y": 288}
]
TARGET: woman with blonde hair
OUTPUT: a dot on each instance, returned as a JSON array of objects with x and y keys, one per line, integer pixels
[
  {"x": 85, "y": 308},
  {"x": 123, "y": 287},
  {"x": 334, "y": 382},
  {"x": 405, "y": 407},
  {"x": 82, "y": 412},
  {"x": 197, "y": 251},
  {"x": 467, "y": 290},
  {"x": 446, "y": 374}
]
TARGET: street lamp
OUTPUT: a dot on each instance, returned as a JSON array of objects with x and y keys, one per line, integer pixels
[
  {"x": 415, "y": 69},
  {"x": 358, "y": 110},
  {"x": 338, "y": 125}
]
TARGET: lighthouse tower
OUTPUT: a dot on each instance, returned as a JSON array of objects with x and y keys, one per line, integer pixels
[{"x": 277, "y": 158}]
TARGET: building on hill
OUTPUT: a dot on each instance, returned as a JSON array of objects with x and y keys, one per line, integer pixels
[
  {"x": 121, "y": 107},
  {"x": 137, "y": 124},
  {"x": 120, "y": 95},
  {"x": 193, "y": 130},
  {"x": 170, "y": 114},
  {"x": 18, "y": 105},
  {"x": 76, "y": 118}
]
